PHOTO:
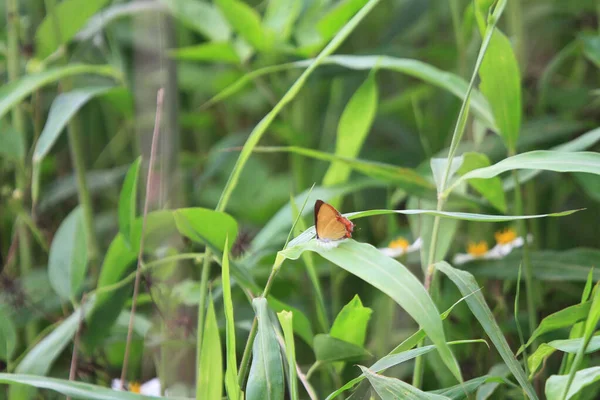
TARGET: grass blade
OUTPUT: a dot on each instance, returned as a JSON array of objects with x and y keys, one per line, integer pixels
[
  {"x": 285, "y": 319},
  {"x": 234, "y": 392},
  {"x": 210, "y": 370}
]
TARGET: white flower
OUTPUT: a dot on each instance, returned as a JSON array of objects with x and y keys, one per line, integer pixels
[
  {"x": 401, "y": 246},
  {"x": 150, "y": 388},
  {"x": 506, "y": 241}
]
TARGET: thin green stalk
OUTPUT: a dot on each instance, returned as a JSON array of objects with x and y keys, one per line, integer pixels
[
  {"x": 201, "y": 306},
  {"x": 456, "y": 138},
  {"x": 77, "y": 157},
  {"x": 531, "y": 309},
  {"x": 13, "y": 66},
  {"x": 458, "y": 37}
]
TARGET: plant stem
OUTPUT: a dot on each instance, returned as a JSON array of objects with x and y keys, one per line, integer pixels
[
  {"x": 201, "y": 307},
  {"x": 138, "y": 272},
  {"x": 531, "y": 309},
  {"x": 18, "y": 121}
]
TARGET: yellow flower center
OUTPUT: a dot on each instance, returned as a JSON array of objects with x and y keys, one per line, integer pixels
[
  {"x": 135, "y": 387},
  {"x": 477, "y": 249},
  {"x": 399, "y": 243},
  {"x": 506, "y": 236}
]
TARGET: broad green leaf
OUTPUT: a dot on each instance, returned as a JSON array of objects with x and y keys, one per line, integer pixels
[
  {"x": 246, "y": 22},
  {"x": 335, "y": 19},
  {"x": 212, "y": 51},
  {"x": 118, "y": 261},
  {"x": 302, "y": 325},
  {"x": 330, "y": 349},
  {"x": 206, "y": 226},
  {"x": 404, "y": 178},
  {"x": 265, "y": 381},
  {"x": 353, "y": 128},
  {"x": 476, "y": 302},
  {"x": 285, "y": 320},
  {"x": 392, "y": 278},
  {"x": 556, "y": 384},
  {"x": 393, "y": 389},
  {"x": 11, "y": 144},
  {"x": 501, "y": 85},
  {"x": 128, "y": 200},
  {"x": 202, "y": 17},
  {"x": 351, "y": 322},
  {"x": 77, "y": 390},
  {"x": 262, "y": 126},
  {"x": 234, "y": 392},
  {"x": 590, "y": 326},
  {"x": 438, "y": 169},
  {"x": 560, "y": 319},
  {"x": 40, "y": 358},
  {"x": 547, "y": 160},
  {"x": 591, "y": 48},
  {"x": 490, "y": 188},
  {"x": 570, "y": 346},
  {"x": 63, "y": 108},
  {"x": 12, "y": 93},
  {"x": 426, "y": 72},
  {"x": 547, "y": 265},
  {"x": 67, "y": 261},
  {"x": 580, "y": 143},
  {"x": 210, "y": 371},
  {"x": 62, "y": 23},
  {"x": 8, "y": 336},
  {"x": 280, "y": 17}
]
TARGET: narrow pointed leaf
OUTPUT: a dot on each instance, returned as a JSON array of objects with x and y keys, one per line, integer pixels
[
  {"x": 570, "y": 346},
  {"x": 210, "y": 371},
  {"x": 128, "y": 200},
  {"x": 234, "y": 392},
  {"x": 556, "y": 384},
  {"x": 285, "y": 320},
  {"x": 393, "y": 389}
]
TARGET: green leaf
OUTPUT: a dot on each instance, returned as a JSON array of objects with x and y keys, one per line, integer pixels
[
  {"x": 580, "y": 143},
  {"x": 458, "y": 392},
  {"x": 12, "y": 93},
  {"x": 488, "y": 388},
  {"x": 76, "y": 390},
  {"x": 404, "y": 178},
  {"x": 591, "y": 47},
  {"x": 417, "y": 69},
  {"x": 547, "y": 160},
  {"x": 118, "y": 261},
  {"x": 40, "y": 358},
  {"x": 8, "y": 336},
  {"x": 302, "y": 325},
  {"x": 202, "y": 17},
  {"x": 353, "y": 128},
  {"x": 246, "y": 22},
  {"x": 11, "y": 144},
  {"x": 476, "y": 302},
  {"x": 234, "y": 392},
  {"x": 491, "y": 188},
  {"x": 67, "y": 261},
  {"x": 570, "y": 346},
  {"x": 556, "y": 384},
  {"x": 128, "y": 200},
  {"x": 393, "y": 389},
  {"x": 501, "y": 85},
  {"x": 590, "y": 184},
  {"x": 266, "y": 372},
  {"x": 280, "y": 17},
  {"x": 456, "y": 215},
  {"x": 330, "y": 349},
  {"x": 351, "y": 322},
  {"x": 438, "y": 169},
  {"x": 206, "y": 226},
  {"x": 210, "y": 371},
  {"x": 62, "y": 23},
  {"x": 590, "y": 325},
  {"x": 561, "y": 319},
  {"x": 286, "y": 322},
  {"x": 335, "y": 18},
  {"x": 213, "y": 51},
  {"x": 392, "y": 278}
]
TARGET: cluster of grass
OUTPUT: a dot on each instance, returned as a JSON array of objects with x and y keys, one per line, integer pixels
[{"x": 465, "y": 129}]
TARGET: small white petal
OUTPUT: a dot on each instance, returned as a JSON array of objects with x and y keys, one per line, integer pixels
[
  {"x": 415, "y": 246},
  {"x": 392, "y": 251},
  {"x": 151, "y": 388},
  {"x": 461, "y": 258},
  {"x": 116, "y": 384}
]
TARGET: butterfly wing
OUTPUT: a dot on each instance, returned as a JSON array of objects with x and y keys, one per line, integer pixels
[{"x": 329, "y": 222}]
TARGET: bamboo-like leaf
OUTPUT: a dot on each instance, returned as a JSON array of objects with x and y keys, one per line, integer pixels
[
  {"x": 128, "y": 200},
  {"x": 392, "y": 278},
  {"x": 570, "y": 346},
  {"x": 210, "y": 371},
  {"x": 246, "y": 21},
  {"x": 556, "y": 384},
  {"x": 8, "y": 336},
  {"x": 234, "y": 392},
  {"x": 490, "y": 188},
  {"x": 467, "y": 284},
  {"x": 393, "y": 389},
  {"x": 329, "y": 349},
  {"x": 201, "y": 16},
  {"x": 265, "y": 381},
  {"x": 280, "y": 17},
  {"x": 285, "y": 320},
  {"x": 212, "y": 51}
]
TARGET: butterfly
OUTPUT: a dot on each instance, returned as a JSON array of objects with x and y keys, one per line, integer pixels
[{"x": 330, "y": 225}]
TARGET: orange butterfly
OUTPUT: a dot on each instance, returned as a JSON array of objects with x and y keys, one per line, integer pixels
[{"x": 330, "y": 224}]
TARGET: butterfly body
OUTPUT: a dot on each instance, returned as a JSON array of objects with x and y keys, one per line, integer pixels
[{"x": 331, "y": 226}]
